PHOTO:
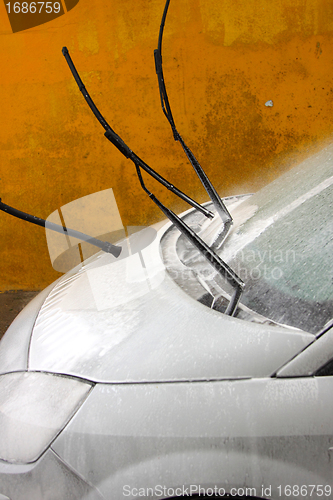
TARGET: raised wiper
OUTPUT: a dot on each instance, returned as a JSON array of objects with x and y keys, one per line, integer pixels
[
  {"x": 123, "y": 148},
  {"x": 211, "y": 191},
  {"x": 104, "y": 245},
  {"x": 218, "y": 264},
  {"x": 225, "y": 271}
]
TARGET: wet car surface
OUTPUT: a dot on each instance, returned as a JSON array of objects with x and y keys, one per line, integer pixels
[
  {"x": 134, "y": 379},
  {"x": 192, "y": 358}
]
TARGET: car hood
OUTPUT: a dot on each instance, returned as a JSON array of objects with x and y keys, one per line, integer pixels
[{"x": 127, "y": 321}]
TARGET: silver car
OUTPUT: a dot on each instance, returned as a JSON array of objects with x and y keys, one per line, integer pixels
[
  {"x": 126, "y": 378},
  {"x": 193, "y": 358}
]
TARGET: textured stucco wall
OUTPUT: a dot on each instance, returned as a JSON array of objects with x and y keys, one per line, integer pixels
[{"x": 223, "y": 60}]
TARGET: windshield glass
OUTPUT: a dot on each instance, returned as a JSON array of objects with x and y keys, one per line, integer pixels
[
  {"x": 281, "y": 246},
  {"x": 283, "y": 250}
]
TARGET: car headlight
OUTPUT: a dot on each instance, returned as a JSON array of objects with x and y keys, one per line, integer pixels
[{"x": 34, "y": 408}]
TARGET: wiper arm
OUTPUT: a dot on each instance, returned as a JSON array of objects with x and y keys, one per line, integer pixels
[
  {"x": 122, "y": 147},
  {"x": 104, "y": 245},
  {"x": 203, "y": 248},
  {"x": 225, "y": 271},
  {"x": 211, "y": 191}
]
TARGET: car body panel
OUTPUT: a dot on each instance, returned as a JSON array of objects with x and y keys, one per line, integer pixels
[
  {"x": 15, "y": 344},
  {"x": 117, "y": 321},
  {"x": 313, "y": 358},
  {"x": 245, "y": 433}
]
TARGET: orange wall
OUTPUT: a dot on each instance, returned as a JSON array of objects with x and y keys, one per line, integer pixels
[{"x": 223, "y": 60}]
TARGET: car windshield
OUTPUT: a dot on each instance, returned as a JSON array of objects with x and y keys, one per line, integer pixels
[
  {"x": 283, "y": 251},
  {"x": 281, "y": 246}
]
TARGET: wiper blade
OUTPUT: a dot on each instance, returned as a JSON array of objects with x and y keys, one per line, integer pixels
[
  {"x": 225, "y": 271},
  {"x": 203, "y": 248},
  {"x": 211, "y": 191},
  {"x": 122, "y": 147},
  {"x": 104, "y": 245}
]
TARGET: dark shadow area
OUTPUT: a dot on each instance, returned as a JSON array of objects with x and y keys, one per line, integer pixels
[{"x": 11, "y": 303}]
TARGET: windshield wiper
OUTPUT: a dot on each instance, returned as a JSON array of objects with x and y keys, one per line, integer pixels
[
  {"x": 122, "y": 147},
  {"x": 225, "y": 271},
  {"x": 211, "y": 191},
  {"x": 104, "y": 245},
  {"x": 218, "y": 264}
]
